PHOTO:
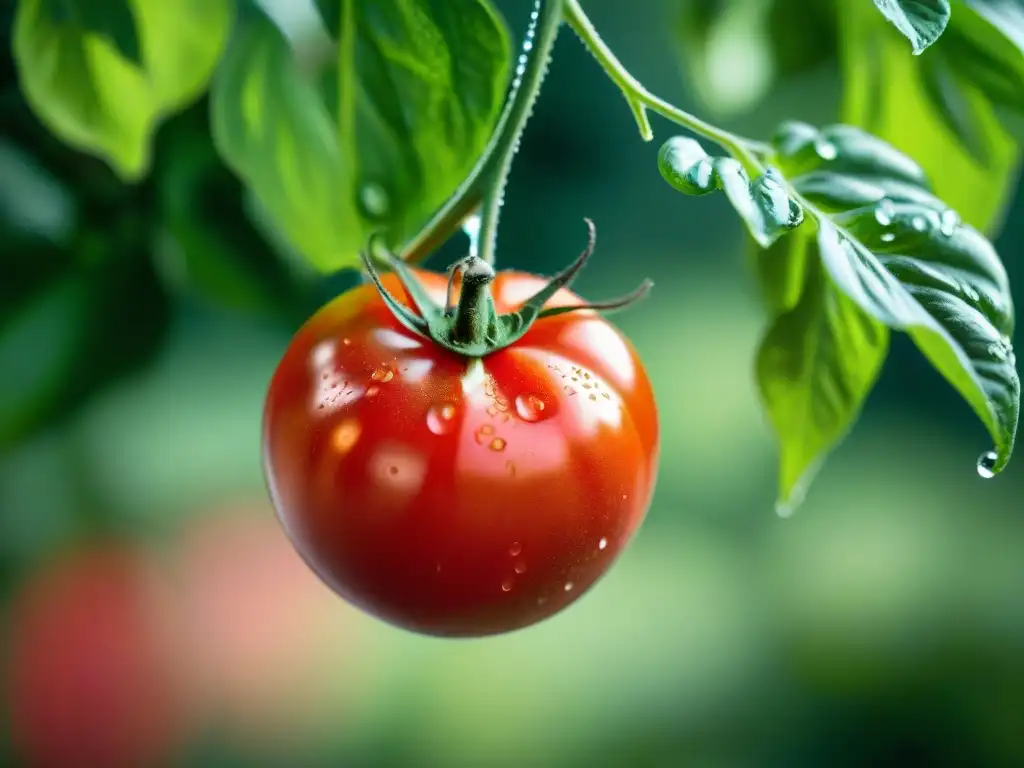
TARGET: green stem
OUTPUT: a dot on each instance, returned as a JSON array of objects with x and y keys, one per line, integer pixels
[
  {"x": 486, "y": 182},
  {"x": 640, "y": 99}
]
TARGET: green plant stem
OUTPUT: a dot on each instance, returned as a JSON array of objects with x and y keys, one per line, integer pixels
[
  {"x": 640, "y": 99},
  {"x": 486, "y": 182}
]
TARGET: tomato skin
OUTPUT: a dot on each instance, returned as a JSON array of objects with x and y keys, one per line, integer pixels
[{"x": 455, "y": 497}]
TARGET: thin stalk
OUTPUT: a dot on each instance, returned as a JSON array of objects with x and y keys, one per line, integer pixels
[
  {"x": 640, "y": 99},
  {"x": 486, "y": 182}
]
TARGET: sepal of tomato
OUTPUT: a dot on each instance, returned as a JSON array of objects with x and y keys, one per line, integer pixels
[{"x": 458, "y": 495}]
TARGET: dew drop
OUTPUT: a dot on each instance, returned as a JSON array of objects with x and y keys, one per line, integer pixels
[
  {"x": 520, "y": 567},
  {"x": 506, "y": 585},
  {"x": 483, "y": 434},
  {"x": 372, "y": 391},
  {"x": 498, "y": 444},
  {"x": 440, "y": 418},
  {"x": 987, "y": 464},
  {"x": 568, "y": 586},
  {"x": 603, "y": 543},
  {"x": 948, "y": 222},
  {"x": 374, "y": 201},
  {"x": 471, "y": 226},
  {"x": 885, "y": 212},
  {"x": 346, "y": 341},
  {"x": 703, "y": 174},
  {"x": 919, "y": 223},
  {"x": 516, "y": 549},
  {"x": 530, "y": 407},
  {"x": 783, "y": 509},
  {"x": 825, "y": 149},
  {"x": 998, "y": 351},
  {"x": 888, "y": 237}
]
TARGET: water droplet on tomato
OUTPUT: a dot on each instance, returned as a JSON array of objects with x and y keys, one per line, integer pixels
[
  {"x": 441, "y": 418},
  {"x": 506, "y": 585},
  {"x": 516, "y": 549},
  {"x": 498, "y": 444},
  {"x": 530, "y": 408},
  {"x": 483, "y": 435},
  {"x": 603, "y": 543},
  {"x": 568, "y": 586},
  {"x": 372, "y": 391},
  {"x": 346, "y": 341},
  {"x": 520, "y": 567},
  {"x": 987, "y": 464}
]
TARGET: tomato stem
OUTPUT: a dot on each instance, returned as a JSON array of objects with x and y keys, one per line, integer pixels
[
  {"x": 475, "y": 317},
  {"x": 486, "y": 182}
]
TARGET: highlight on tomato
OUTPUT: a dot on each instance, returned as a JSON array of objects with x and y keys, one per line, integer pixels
[{"x": 461, "y": 455}]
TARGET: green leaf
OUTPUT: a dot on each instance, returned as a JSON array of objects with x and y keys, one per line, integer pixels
[
  {"x": 907, "y": 260},
  {"x": 89, "y": 94},
  {"x": 111, "y": 19},
  {"x": 380, "y": 140},
  {"x": 815, "y": 367},
  {"x": 922, "y": 22},
  {"x": 94, "y": 323},
  {"x": 53, "y": 320},
  {"x": 271, "y": 127},
  {"x": 764, "y": 203},
  {"x": 957, "y": 110},
  {"x": 210, "y": 246}
]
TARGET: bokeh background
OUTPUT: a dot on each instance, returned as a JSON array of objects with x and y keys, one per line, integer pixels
[{"x": 152, "y": 612}]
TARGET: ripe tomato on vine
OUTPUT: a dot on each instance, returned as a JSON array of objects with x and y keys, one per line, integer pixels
[{"x": 461, "y": 467}]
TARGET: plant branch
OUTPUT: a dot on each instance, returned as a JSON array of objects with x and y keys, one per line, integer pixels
[
  {"x": 640, "y": 99},
  {"x": 486, "y": 182}
]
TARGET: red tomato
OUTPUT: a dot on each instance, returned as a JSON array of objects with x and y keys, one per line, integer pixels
[
  {"x": 91, "y": 681},
  {"x": 456, "y": 496}
]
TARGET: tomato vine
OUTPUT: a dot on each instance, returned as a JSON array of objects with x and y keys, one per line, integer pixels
[{"x": 403, "y": 125}]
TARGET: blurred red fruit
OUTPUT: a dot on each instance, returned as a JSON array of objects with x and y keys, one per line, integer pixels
[
  {"x": 90, "y": 683},
  {"x": 258, "y": 624}
]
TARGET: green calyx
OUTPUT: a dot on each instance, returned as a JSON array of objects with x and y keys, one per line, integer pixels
[{"x": 472, "y": 326}]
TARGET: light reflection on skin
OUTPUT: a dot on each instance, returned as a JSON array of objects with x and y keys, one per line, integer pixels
[
  {"x": 599, "y": 335},
  {"x": 392, "y": 339},
  {"x": 323, "y": 356},
  {"x": 398, "y": 469},
  {"x": 590, "y": 397},
  {"x": 417, "y": 371}
]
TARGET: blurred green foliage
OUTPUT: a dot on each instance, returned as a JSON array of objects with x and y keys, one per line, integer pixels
[{"x": 140, "y": 322}]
